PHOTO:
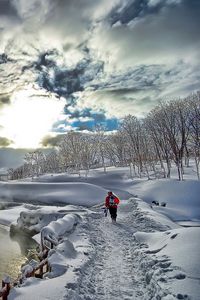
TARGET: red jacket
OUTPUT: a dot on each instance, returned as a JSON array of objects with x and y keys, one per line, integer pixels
[{"x": 108, "y": 202}]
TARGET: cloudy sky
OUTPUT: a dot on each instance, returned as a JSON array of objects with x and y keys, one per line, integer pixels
[{"x": 69, "y": 64}]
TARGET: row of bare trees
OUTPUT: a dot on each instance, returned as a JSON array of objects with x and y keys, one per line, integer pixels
[
  {"x": 174, "y": 128},
  {"x": 169, "y": 134}
]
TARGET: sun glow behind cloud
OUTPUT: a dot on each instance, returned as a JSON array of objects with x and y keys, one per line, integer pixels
[
  {"x": 28, "y": 119},
  {"x": 107, "y": 59}
]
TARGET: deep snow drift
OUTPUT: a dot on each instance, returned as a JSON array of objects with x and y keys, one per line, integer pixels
[
  {"x": 50, "y": 193},
  {"x": 146, "y": 255}
]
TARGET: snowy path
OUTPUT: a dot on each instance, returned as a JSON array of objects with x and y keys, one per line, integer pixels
[
  {"x": 114, "y": 271},
  {"x": 111, "y": 276}
]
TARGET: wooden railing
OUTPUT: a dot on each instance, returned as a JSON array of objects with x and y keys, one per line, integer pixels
[
  {"x": 38, "y": 270},
  {"x": 4, "y": 292}
]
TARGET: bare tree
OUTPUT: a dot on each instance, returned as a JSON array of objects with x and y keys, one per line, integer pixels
[
  {"x": 172, "y": 120},
  {"x": 35, "y": 161},
  {"x": 194, "y": 123},
  {"x": 102, "y": 144},
  {"x": 154, "y": 126},
  {"x": 89, "y": 148},
  {"x": 11, "y": 173},
  {"x": 52, "y": 162},
  {"x": 116, "y": 148},
  {"x": 132, "y": 130},
  {"x": 70, "y": 150}
]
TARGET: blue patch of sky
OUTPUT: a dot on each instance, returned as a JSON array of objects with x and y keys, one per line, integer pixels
[
  {"x": 109, "y": 124},
  {"x": 77, "y": 120}
]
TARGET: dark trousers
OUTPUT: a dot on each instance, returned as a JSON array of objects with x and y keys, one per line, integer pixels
[{"x": 113, "y": 212}]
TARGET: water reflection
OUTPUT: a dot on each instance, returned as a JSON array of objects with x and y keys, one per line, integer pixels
[{"x": 13, "y": 251}]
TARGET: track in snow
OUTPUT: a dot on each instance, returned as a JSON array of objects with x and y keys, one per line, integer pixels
[
  {"x": 112, "y": 273},
  {"x": 118, "y": 267}
]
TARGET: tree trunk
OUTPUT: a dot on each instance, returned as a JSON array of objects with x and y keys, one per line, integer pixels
[
  {"x": 197, "y": 165},
  {"x": 131, "y": 170},
  {"x": 168, "y": 169},
  {"x": 179, "y": 169}
]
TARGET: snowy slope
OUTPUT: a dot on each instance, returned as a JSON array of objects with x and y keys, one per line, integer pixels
[
  {"x": 182, "y": 198},
  {"x": 52, "y": 193}
]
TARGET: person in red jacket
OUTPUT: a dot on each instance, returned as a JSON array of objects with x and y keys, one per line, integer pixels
[{"x": 111, "y": 202}]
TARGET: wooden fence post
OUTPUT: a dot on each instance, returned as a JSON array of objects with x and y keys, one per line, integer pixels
[{"x": 6, "y": 286}]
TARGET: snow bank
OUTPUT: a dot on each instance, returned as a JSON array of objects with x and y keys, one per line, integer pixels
[
  {"x": 32, "y": 219},
  {"x": 169, "y": 258},
  {"x": 114, "y": 179},
  {"x": 182, "y": 198},
  {"x": 64, "y": 248},
  {"x": 65, "y": 260},
  {"x": 63, "y": 225},
  {"x": 57, "y": 229},
  {"x": 176, "y": 252},
  {"x": 10, "y": 215},
  {"x": 53, "y": 193},
  {"x": 145, "y": 209}
]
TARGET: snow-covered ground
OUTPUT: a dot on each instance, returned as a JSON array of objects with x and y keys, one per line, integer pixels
[{"x": 147, "y": 254}]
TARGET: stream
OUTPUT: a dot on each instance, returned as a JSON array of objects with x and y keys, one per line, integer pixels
[{"x": 13, "y": 252}]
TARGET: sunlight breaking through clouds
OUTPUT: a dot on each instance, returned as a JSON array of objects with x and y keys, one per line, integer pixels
[
  {"x": 28, "y": 118},
  {"x": 107, "y": 58}
]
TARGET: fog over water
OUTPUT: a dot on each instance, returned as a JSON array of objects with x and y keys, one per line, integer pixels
[{"x": 12, "y": 252}]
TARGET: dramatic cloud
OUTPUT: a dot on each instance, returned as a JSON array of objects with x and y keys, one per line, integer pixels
[
  {"x": 4, "y": 99},
  {"x": 99, "y": 59},
  {"x": 139, "y": 34},
  {"x": 4, "y": 142},
  {"x": 51, "y": 141}
]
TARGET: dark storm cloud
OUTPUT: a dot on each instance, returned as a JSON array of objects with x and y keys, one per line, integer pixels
[
  {"x": 51, "y": 141},
  {"x": 4, "y": 142},
  {"x": 44, "y": 59},
  {"x": 121, "y": 95},
  {"x": 4, "y": 99},
  {"x": 130, "y": 10},
  {"x": 6, "y": 8},
  {"x": 62, "y": 80},
  {"x": 5, "y": 59},
  {"x": 133, "y": 9},
  {"x": 124, "y": 91}
]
